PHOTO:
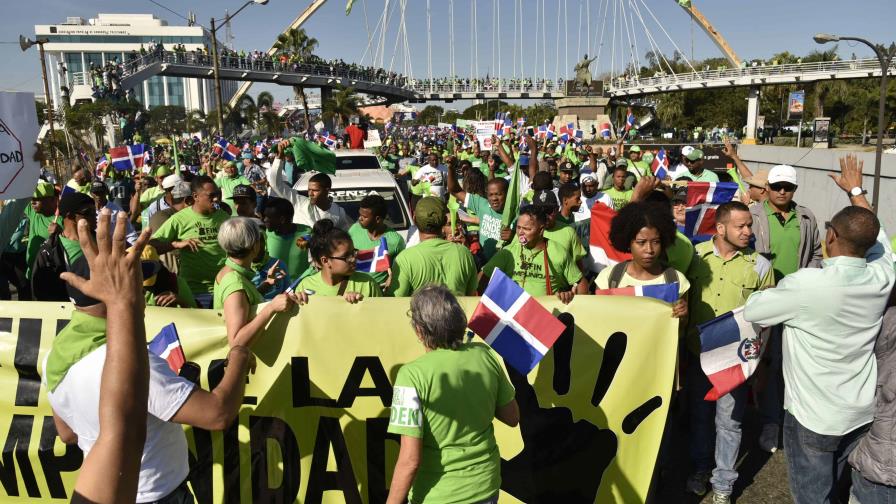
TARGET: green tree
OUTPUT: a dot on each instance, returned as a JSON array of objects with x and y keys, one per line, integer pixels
[
  {"x": 245, "y": 112},
  {"x": 342, "y": 104},
  {"x": 264, "y": 102},
  {"x": 299, "y": 47},
  {"x": 430, "y": 115},
  {"x": 194, "y": 121},
  {"x": 166, "y": 120}
]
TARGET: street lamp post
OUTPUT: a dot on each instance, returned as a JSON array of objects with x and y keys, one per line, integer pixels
[
  {"x": 25, "y": 44},
  {"x": 885, "y": 57},
  {"x": 219, "y": 99}
]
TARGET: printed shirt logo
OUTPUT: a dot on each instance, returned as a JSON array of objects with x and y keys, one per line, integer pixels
[{"x": 406, "y": 411}]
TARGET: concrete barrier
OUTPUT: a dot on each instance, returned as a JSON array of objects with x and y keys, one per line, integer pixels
[{"x": 816, "y": 190}]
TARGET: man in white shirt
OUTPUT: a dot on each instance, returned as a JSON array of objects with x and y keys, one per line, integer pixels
[
  {"x": 681, "y": 168},
  {"x": 433, "y": 173},
  {"x": 590, "y": 196},
  {"x": 312, "y": 208}
]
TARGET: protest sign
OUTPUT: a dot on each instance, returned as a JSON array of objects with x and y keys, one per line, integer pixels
[
  {"x": 18, "y": 134},
  {"x": 484, "y": 131},
  {"x": 312, "y": 427},
  {"x": 373, "y": 139}
]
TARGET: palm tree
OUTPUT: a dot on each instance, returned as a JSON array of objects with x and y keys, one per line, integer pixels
[
  {"x": 342, "y": 104},
  {"x": 246, "y": 111},
  {"x": 194, "y": 121},
  {"x": 269, "y": 122},
  {"x": 670, "y": 107},
  {"x": 298, "y": 46},
  {"x": 264, "y": 101}
]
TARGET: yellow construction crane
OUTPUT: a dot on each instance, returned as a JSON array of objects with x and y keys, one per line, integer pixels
[{"x": 710, "y": 30}]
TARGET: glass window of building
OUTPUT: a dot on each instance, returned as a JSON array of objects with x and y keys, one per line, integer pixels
[
  {"x": 93, "y": 57},
  {"x": 176, "y": 91},
  {"x": 156, "y": 92},
  {"x": 73, "y": 64}
]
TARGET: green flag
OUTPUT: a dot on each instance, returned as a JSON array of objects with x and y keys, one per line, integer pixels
[
  {"x": 311, "y": 156},
  {"x": 348, "y": 7},
  {"x": 176, "y": 160},
  {"x": 512, "y": 202},
  {"x": 453, "y": 207}
]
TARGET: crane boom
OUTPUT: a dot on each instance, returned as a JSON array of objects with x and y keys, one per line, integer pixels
[
  {"x": 297, "y": 22},
  {"x": 710, "y": 30}
]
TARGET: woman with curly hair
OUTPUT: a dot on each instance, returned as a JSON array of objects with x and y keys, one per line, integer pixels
[{"x": 646, "y": 230}]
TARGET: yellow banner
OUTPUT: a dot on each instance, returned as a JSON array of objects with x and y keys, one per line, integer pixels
[{"x": 313, "y": 424}]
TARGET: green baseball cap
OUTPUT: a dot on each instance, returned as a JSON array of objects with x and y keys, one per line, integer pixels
[
  {"x": 163, "y": 171},
  {"x": 430, "y": 213},
  {"x": 634, "y": 148},
  {"x": 695, "y": 155},
  {"x": 44, "y": 190}
]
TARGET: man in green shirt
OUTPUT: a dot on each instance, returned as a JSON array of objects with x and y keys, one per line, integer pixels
[
  {"x": 370, "y": 228},
  {"x": 283, "y": 238},
  {"x": 636, "y": 164},
  {"x": 434, "y": 259},
  {"x": 72, "y": 208},
  {"x": 41, "y": 213},
  {"x": 194, "y": 231},
  {"x": 618, "y": 193},
  {"x": 80, "y": 181},
  {"x": 723, "y": 273},
  {"x": 146, "y": 195},
  {"x": 696, "y": 173},
  {"x": 489, "y": 210},
  {"x": 786, "y": 233},
  {"x": 227, "y": 181}
]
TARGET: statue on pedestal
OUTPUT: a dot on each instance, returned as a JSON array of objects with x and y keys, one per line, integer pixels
[{"x": 583, "y": 72}]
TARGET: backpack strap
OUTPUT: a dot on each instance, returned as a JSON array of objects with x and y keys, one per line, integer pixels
[
  {"x": 670, "y": 275},
  {"x": 616, "y": 274}
]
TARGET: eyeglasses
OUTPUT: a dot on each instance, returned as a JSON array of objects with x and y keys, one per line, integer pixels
[
  {"x": 782, "y": 186},
  {"x": 351, "y": 257}
]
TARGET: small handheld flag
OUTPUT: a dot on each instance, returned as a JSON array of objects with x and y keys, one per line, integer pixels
[
  {"x": 226, "y": 150},
  {"x": 166, "y": 345},
  {"x": 660, "y": 165},
  {"x": 664, "y": 292},
  {"x": 127, "y": 157},
  {"x": 730, "y": 348},
  {"x": 702, "y": 201},
  {"x": 514, "y": 324},
  {"x": 375, "y": 259},
  {"x": 605, "y": 130}
]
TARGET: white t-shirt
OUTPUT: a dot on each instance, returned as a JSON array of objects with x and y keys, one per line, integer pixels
[
  {"x": 306, "y": 213},
  {"x": 584, "y": 211},
  {"x": 436, "y": 177},
  {"x": 76, "y": 401}
]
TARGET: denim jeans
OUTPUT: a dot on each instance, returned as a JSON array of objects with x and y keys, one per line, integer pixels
[
  {"x": 816, "y": 461},
  {"x": 726, "y": 433},
  {"x": 869, "y": 492}
]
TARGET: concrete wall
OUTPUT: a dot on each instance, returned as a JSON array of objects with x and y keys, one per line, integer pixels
[{"x": 816, "y": 190}]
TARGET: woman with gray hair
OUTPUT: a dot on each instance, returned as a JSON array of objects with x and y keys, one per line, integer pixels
[
  {"x": 443, "y": 405},
  {"x": 243, "y": 241}
]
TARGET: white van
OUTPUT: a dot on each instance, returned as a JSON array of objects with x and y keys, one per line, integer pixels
[
  {"x": 351, "y": 185},
  {"x": 356, "y": 159}
]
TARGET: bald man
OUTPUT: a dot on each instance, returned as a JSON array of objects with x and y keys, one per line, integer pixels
[{"x": 831, "y": 319}]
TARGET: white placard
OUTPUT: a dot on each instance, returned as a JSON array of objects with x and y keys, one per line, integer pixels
[
  {"x": 484, "y": 131},
  {"x": 373, "y": 139},
  {"x": 18, "y": 134}
]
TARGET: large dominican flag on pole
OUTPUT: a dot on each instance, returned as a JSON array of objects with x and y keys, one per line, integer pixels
[
  {"x": 514, "y": 324},
  {"x": 602, "y": 252},
  {"x": 730, "y": 348},
  {"x": 703, "y": 200},
  {"x": 166, "y": 345}
]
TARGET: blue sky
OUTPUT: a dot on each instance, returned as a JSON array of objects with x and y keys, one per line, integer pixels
[{"x": 754, "y": 28}]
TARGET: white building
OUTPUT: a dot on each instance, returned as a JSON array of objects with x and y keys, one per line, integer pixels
[{"x": 77, "y": 43}]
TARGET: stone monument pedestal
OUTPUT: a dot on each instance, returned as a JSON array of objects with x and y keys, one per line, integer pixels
[{"x": 584, "y": 111}]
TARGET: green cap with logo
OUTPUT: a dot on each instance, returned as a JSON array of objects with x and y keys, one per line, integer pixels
[{"x": 44, "y": 190}]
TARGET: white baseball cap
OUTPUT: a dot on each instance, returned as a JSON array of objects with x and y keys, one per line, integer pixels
[
  {"x": 170, "y": 181},
  {"x": 782, "y": 173},
  {"x": 687, "y": 149}
]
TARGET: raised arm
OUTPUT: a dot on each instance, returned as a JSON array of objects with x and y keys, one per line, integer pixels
[
  {"x": 498, "y": 146},
  {"x": 731, "y": 152},
  {"x": 453, "y": 186}
]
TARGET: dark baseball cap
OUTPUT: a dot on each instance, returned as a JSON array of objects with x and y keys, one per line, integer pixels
[
  {"x": 566, "y": 166},
  {"x": 97, "y": 187},
  {"x": 546, "y": 198},
  {"x": 73, "y": 202},
  {"x": 243, "y": 191}
]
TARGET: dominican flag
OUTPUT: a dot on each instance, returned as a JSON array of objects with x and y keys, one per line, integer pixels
[
  {"x": 578, "y": 135},
  {"x": 605, "y": 130},
  {"x": 602, "y": 252},
  {"x": 67, "y": 189},
  {"x": 514, "y": 324},
  {"x": 102, "y": 164},
  {"x": 663, "y": 292},
  {"x": 127, "y": 157},
  {"x": 520, "y": 122},
  {"x": 542, "y": 132},
  {"x": 226, "y": 150},
  {"x": 660, "y": 165},
  {"x": 551, "y": 131},
  {"x": 629, "y": 120},
  {"x": 730, "y": 348},
  {"x": 703, "y": 200},
  {"x": 458, "y": 132},
  {"x": 501, "y": 118},
  {"x": 166, "y": 345},
  {"x": 373, "y": 260}
]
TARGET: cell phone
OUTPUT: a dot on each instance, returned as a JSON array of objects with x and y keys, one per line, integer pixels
[
  {"x": 530, "y": 131},
  {"x": 190, "y": 371}
]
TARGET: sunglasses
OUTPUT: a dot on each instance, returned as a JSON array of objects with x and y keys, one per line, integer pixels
[{"x": 782, "y": 186}]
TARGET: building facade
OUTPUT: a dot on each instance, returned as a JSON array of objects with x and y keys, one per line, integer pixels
[{"x": 77, "y": 43}]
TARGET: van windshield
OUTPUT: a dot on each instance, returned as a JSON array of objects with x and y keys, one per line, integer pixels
[
  {"x": 357, "y": 163},
  {"x": 350, "y": 201}
]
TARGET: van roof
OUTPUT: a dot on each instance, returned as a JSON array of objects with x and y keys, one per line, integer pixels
[{"x": 352, "y": 178}]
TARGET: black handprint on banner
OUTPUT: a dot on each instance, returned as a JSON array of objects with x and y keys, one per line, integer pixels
[{"x": 564, "y": 460}]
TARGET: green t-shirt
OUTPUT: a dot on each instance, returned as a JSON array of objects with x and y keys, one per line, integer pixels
[
  {"x": 448, "y": 398},
  {"x": 240, "y": 279},
  {"x": 362, "y": 283},
  {"x": 38, "y": 232},
  {"x": 226, "y": 184},
  {"x": 294, "y": 260},
  {"x": 639, "y": 168},
  {"x": 705, "y": 176},
  {"x": 197, "y": 268},
  {"x": 390, "y": 162},
  {"x": 489, "y": 223},
  {"x": 526, "y": 267},
  {"x": 149, "y": 195},
  {"x": 620, "y": 198},
  {"x": 362, "y": 241},
  {"x": 434, "y": 261},
  {"x": 566, "y": 237},
  {"x": 784, "y": 242},
  {"x": 680, "y": 253}
]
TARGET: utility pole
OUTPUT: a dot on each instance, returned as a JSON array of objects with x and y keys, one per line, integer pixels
[{"x": 219, "y": 100}]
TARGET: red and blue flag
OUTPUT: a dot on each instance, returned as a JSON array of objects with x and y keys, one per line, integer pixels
[
  {"x": 660, "y": 165},
  {"x": 166, "y": 345},
  {"x": 605, "y": 130},
  {"x": 226, "y": 150},
  {"x": 663, "y": 292},
  {"x": 514, "y": 324},
  {"x": 127, "y": 157},
  {"x": 373, "y": 260},
  {"x": 703, "y": 199},
  {"x": 730, "y": 348}
]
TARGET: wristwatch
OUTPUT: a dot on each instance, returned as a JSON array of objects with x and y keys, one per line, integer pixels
[{"x": 857, "y": 191}]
